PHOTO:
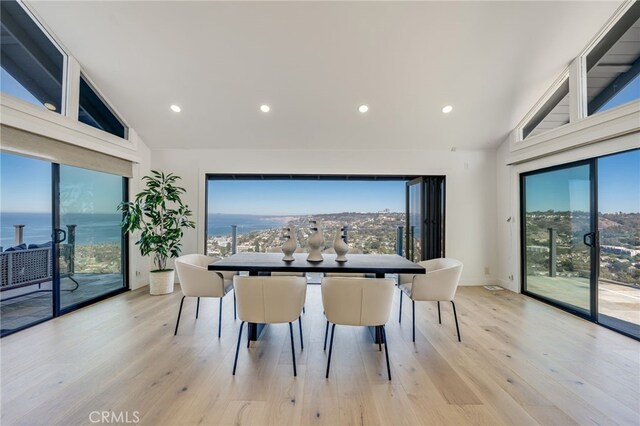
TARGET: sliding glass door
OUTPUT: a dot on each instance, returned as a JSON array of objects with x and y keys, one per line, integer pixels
[
  {"x": 619, "y": 232},
  {"x": 558, "y": 235},
  {"x": 26, "y": 265},
  {"x": 581, "y": 238},
  {"x": 62, "y": 246},
  {"x": 90, "y": 245}
]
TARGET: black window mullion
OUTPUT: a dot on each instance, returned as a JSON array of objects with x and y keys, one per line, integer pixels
[{"x": 55, "y": 225}]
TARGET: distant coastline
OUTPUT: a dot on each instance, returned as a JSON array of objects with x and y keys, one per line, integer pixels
[{"x": 219, "y": 224}]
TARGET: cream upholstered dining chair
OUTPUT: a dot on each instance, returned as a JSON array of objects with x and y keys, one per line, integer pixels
[
  {"x": 358, "y": 302},
  {"x": 287, "y": 274},
  {"x": 270, "y": 300},
  {"x": 439, "y": 284},
  {"x": 197, "y": 281}
]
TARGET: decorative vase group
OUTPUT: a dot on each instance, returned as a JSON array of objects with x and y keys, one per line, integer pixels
[
  {"x": 316, "y": 243},
  {"x": 290, "y": 246},
  {"x": 340, "y": 245}
]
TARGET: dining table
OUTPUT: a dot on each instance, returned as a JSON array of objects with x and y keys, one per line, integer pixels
[{"x": 263, "y": 263}]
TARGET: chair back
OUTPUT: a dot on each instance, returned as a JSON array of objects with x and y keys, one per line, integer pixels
[
  {"x": 195, "y": 279},
  {"x": 357, "y": 301},
  {"x": 269, "y": 300},
  {"x": 440, "y": 282}
]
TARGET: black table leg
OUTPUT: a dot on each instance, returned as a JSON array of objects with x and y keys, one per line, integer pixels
[
  {"x": 375, "y": 335},
  {"x": 254, "y": 329}
]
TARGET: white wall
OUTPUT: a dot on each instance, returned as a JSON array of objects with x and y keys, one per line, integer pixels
[
  {"x": 139, "y": 266},
  {"x": 470, "y": 188}
]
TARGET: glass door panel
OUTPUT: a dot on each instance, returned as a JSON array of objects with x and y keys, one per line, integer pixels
[
  {"x": 26, "y": 273},
  {"x": 619, "y": 232},
  {"x": 558, "y": 235},
  {"x": 90, "y": 248},
  {"x": 414, "y": 220}
]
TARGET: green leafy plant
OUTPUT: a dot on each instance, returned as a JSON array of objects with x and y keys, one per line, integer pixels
[{"x": 160, "y": 214}]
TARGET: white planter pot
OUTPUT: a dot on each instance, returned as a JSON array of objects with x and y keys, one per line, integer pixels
[{"x": 161, "y": 282}]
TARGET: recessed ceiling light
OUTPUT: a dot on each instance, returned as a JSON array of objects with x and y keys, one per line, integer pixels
[
  {"x": 363, "y": 108},
  {"x": 265, "y": 108},
  {"x": 49, "y": 106},
  {"x": 175, "y": 108},
  {"x": 447, "y": 109}
]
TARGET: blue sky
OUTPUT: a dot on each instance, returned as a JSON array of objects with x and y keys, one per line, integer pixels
[
  {"x": 619, "y": 183},
  {"x": 296, "y": 197},
  {"x": 562, "y": 190},
  {"x": 25, "y": 186},
  {"x": 628, "y": 93},
  {"x": 12, "y": 87}
]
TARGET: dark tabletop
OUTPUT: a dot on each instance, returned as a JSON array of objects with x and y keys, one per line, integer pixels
[{"x": 357, "y": 263}]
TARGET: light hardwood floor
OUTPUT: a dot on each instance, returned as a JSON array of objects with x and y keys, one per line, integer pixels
[{"x": 520, "y": 362}]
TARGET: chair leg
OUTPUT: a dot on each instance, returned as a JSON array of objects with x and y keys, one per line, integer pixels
[
  {"x": 386, "y": 349},
  {"x": 333, "y": 330},
  {"x": 235, "y": 363},
  {"x": 400, "y": 314},
  {"x": 248, "y": 337},
  {"x": 301, "y": 339},
  {"x": 179, "y": 313},
  {"x": 220, "y": 319},
  {"x": 413, "y": 314},
  {"x": 234, "y": 306},
  {"x": 439, "y": 317},
  {"x": 455, "y": 316},
  {"x": 326, "y": 333},
  {"x": 293, "y": 350},
  {"x": 303, "y": 310},
  {"x": 379, "y": 337},
  {"x": 197, "y": 308}
]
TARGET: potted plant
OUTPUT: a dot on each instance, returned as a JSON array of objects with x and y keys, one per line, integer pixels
[{"x": 160, "y": 215}]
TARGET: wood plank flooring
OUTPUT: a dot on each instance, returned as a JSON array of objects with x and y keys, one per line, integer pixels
[{"x": 520, "y": 362}]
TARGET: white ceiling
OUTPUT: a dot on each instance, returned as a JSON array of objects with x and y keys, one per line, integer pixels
[{"x": 315, "y": 63}]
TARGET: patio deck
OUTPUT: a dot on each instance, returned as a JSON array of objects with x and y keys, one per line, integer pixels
[
  {"x": 29, "y": 308},
  {"x": 614, "y": 300}
]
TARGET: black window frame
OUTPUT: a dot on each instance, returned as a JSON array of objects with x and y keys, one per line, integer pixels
[{"x": 437, "y": 230}]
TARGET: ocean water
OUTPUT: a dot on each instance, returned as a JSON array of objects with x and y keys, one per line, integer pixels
[
  {"x": 105, "y": 228},
  {"x": 91, "y": 228},
  {"x": 220, "y": 224}
]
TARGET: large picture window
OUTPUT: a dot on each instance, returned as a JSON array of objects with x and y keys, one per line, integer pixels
[{"x": 248, "y": 212}]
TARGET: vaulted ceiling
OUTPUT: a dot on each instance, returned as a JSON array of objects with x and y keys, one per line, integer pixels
[{"x": 314, "y": 63}]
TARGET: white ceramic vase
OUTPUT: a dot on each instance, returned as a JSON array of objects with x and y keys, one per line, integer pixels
[
  {"x": 316, "y": 242},
  {"x": 340, "y": 246},
  {"x": 161, "y": 282},
  {"x": 290, "y": 246}
]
